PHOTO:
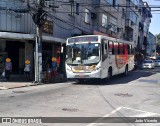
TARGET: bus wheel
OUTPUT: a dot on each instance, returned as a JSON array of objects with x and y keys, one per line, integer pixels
[
  {"x": 109, "y": 74},
  {"x": 126, "y": 71}
]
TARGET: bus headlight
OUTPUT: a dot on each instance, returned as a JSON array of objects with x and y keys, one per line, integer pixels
[
  {"x": 69, "y": 68},
  {"x": 97, "y": 68}
]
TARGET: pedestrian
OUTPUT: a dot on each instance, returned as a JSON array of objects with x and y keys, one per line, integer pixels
[
  {"x": 8, "y": 68},
  {"x": 27, "y": 69},
  {"x": 54, "y": 68}
]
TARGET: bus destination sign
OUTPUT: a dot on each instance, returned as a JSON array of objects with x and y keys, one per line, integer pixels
[{"x": 83, "y": 39}]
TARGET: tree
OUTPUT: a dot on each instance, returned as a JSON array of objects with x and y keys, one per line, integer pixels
[{"x": 158, "y": 43}]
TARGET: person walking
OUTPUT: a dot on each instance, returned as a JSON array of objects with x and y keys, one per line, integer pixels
[
  {"x": 27, "y": 69},
  {"x": 8, "y": 68}
]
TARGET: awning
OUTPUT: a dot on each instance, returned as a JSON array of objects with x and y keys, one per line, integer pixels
[{"x": 20, "y": 36}]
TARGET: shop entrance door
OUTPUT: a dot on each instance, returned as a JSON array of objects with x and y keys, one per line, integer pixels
[{"x": 15, "y": 52}]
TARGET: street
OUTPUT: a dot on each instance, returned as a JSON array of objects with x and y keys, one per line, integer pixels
[{"x": 136, "y": 95}]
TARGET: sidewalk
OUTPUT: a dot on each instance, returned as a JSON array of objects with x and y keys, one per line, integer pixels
[
  {"x": 19, "y": 81},
  {"x": 10, "y": 85}
]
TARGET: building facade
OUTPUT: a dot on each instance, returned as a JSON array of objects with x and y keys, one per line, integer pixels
[{"x": 151, "y": 45}]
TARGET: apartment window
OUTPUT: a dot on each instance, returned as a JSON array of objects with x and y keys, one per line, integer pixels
[
  {"x": 49, "y": 2},
  {"x": 71, "y": 8},
  {"x": 115, "y": 3},
  {"x": 77, "y": 8},
  {"x": 133, "y": 17},
  {"x": 104, "y": 21},
  {"x": 135, "y": 2},
  {"x": 123, "y": 13},
  {"x": 110, "y": 1},
  {"x": 87, "y": 17}
]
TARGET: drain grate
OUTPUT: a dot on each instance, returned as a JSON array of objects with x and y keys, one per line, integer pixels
[
  {"x": 70, "y": 110},
  {"x": 123, "y": 94},
  {"x": 19, "y": 91}
]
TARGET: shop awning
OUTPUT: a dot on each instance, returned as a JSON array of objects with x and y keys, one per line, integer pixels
[{"x": 20, "y": 36}]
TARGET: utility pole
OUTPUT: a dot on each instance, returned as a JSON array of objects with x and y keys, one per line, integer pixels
[{"x": 38, "y": 18}]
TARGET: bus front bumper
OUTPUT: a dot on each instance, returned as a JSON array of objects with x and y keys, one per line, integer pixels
[{"x": 94, "y": 74}]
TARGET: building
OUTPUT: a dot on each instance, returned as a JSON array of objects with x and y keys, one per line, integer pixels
[
  {"x": 151, "y": 45},
  {"x": 17, "y": 37}
]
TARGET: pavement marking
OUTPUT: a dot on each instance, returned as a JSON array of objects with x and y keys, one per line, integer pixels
[
  {"x": 107, "y": 115},
  {"x": 145, "y": 114},
  {"x": 141, "y": 111}
]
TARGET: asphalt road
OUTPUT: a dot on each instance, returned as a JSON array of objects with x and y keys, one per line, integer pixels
[{"x": 136, "y": 95}]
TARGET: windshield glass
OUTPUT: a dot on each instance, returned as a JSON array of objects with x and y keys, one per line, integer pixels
[
  {"x": 158, "y": 58},
  {"x": 85, "y": 53}
]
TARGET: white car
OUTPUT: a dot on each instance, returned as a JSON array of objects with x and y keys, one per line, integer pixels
[
  {"x": 157, "y": 61},
  {"x": 148, "y": 64}
]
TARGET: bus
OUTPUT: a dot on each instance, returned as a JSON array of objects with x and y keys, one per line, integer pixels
[{"x": 98, "y": 57}]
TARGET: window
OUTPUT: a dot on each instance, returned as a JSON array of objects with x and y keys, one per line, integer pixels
[
  {"x": 71, "y": 9},
  {"x": 114, "y": 3},
  {"x": 110, "y": 1},
  {"x": 123, "y": 13},
  {"x": 104, "y": 21},
  {"x": 87, "y": 19},
  {"x": 121, "y": 48},
  {"x": 113, "y": 24},
  {"x": 110, "y": 47},
  {"x": 115, "y": 47},
  {"x": 134, "y": 17},
  {"x": 129, "y": 49},
  {"x": 125, "y": 49},
  {"x": 135, "y": 2},
  {"x": 77, "y": 8}
]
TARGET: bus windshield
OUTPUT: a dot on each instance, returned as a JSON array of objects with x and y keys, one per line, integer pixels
[{"x": 83, "y": 53}]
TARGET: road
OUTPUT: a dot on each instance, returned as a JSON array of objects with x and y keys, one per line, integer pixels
[{"x": 136, "y": 95}]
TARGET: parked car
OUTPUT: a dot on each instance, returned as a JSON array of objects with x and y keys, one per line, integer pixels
[
  {"x": 157, "y": 61},
  {"x": 148, "y": 64}
]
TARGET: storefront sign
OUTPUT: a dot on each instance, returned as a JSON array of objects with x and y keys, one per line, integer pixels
[{"x": 48, "y": 27}]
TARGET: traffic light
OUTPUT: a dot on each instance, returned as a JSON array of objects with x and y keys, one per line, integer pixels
[{"x": 39, "y": 17}]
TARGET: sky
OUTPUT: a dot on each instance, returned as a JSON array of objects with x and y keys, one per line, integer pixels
[{"x": 155, "y": 20}]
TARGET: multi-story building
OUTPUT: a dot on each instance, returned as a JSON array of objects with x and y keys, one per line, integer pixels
[
  {"x": 17, "y": 36},
  {"x": 131, "y": 22},
  {"x": 147, "y": 20},
  {"x": 151, "y": 45},
  {"x": 110, "y": 17}
]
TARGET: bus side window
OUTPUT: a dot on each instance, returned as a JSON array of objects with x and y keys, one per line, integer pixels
[
  {"x": 110, "y": 47},
  {"x": 125, "y": 50},
  {"x": 102, "y": 49},
  {"x": 120, "y": 48},
  {"x": 132, "y": 49},
  {"x": 115, "y": 48},
  {"x": 129, "y": 49}
]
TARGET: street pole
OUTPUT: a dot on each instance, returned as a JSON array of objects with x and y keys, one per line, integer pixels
[{"x": 38, "y": 47}]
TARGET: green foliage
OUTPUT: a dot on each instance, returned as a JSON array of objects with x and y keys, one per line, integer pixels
[{"x": 158, "y": 39}]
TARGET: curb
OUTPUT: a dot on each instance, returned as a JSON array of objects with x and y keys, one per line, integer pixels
[{"x": 3, "y": 88}]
